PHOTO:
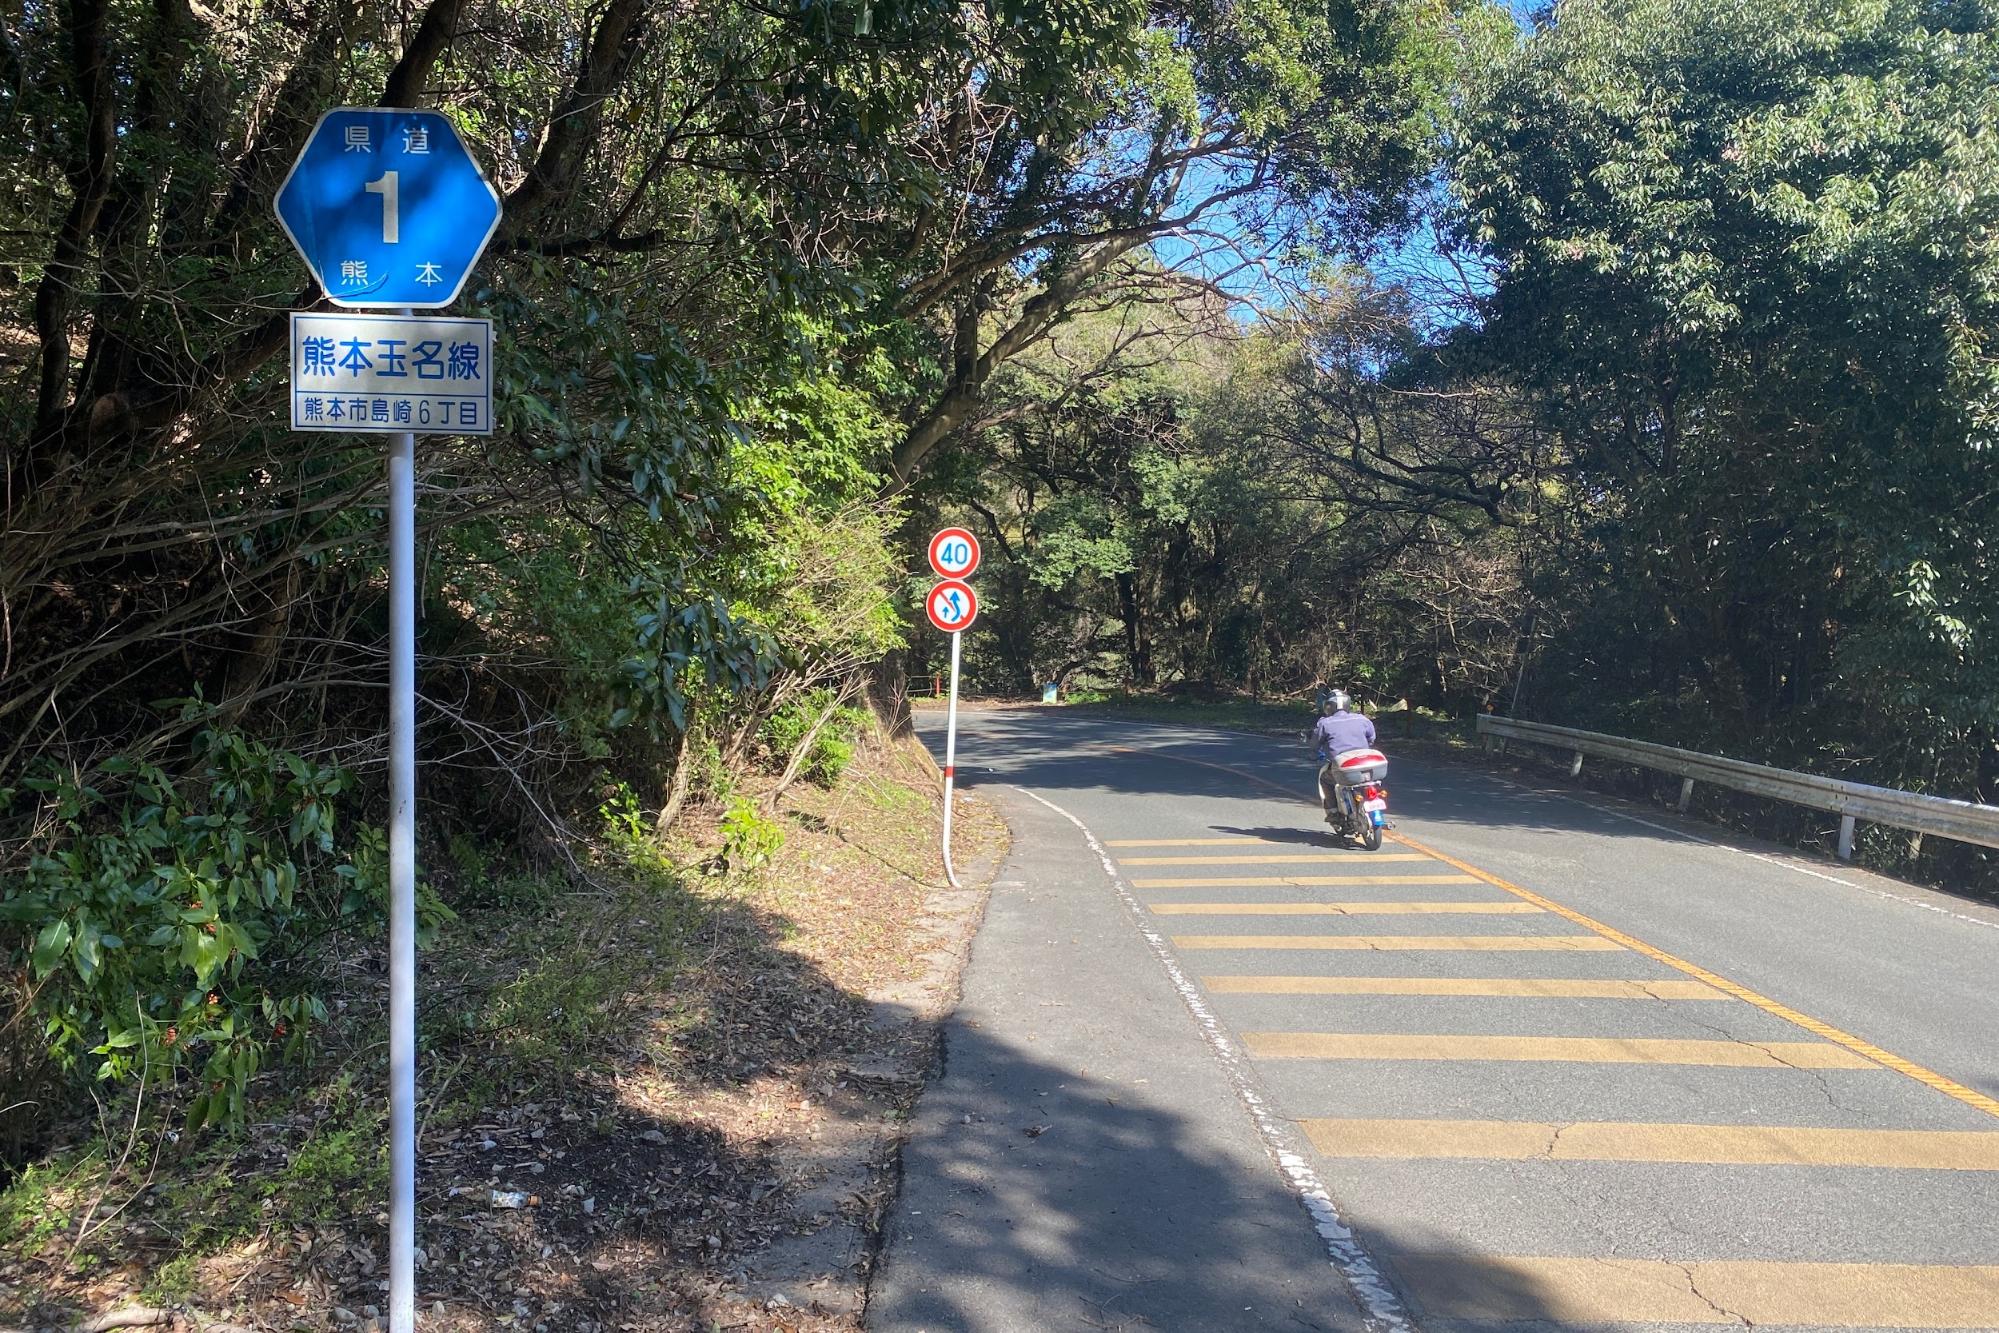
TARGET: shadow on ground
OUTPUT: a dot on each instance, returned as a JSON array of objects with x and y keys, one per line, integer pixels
[{"x": 1030, "y": 1223}]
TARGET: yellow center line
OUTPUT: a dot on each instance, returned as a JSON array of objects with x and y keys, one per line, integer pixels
[
  {"x": 1536, "y": 988},
  {"x": 1928, "y": 1077},
  {"x": 1297, "y": 881},
  {"x": 1591, "y": 1291},
  {"x": 1620, "y": 1141},
  {"x": 1402, "y": 943},
  {"x": 1581, "y": 1050},
  {"x": 1342, "y": 909}
]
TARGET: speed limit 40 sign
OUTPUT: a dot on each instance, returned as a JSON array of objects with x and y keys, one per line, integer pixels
[
  {"x": 954, "y": 553},
  {"x": 952, "y": 606}
]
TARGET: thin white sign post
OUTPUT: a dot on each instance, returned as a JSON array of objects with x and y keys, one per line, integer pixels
[
  {"x": 951, "y": 756},
  {"x": 389, "y": 210},
  {"x": 382, "y": 374},
  {"x": 402, "y": 882},
  {"x": 952, "y": 607}
]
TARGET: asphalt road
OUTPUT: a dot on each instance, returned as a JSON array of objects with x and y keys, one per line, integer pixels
[{"x": 1544, "y": 1061}]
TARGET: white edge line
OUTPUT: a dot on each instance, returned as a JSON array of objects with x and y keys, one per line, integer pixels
[
  {"x": 1382, "y": 1307},
  {"x": 1739, "y": 851}
]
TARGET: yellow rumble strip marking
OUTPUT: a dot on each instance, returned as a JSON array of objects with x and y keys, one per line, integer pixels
[
  {"x": 1614, "y": 1141},
  {"x": 1194, "y": 842},
  {"x": 1507, "y": 1289},
  {"x": 1582, "y": 1050},
  {"x": 1299, "y": 881},
  {"x": 1949, "y": 1087},
  {"x": 1396, "y": 943},
  {"x": 1314, "y": 858},
  {"x": 1344, "y": 909},
  {"x": 1867, "y": 1049},
  {"x": 1530, "y": 988}
]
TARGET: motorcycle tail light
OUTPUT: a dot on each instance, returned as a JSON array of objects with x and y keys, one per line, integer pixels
[{"x": 1377, "y": 793}]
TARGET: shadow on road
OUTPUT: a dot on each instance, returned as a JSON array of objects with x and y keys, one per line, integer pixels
[
  {"x": 1319, "y": 838},
  {"x": 1093, "y": 1205},
  {"x": 1104, "y": 1209},
  {"x": 1053, "y": 753}
]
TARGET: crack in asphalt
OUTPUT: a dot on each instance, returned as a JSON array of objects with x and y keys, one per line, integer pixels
[
  {"x": 1687, "y": 1271},
  {"x": 1818, "y": 1076}
]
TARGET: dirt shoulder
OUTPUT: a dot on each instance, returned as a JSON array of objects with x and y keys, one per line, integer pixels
[{"x": 670, "y": 1097}]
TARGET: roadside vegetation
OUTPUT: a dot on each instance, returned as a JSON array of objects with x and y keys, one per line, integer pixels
[
  {"x": 1628, "y": 364},
  {"x": 1674, "y": 420},
  {"x": 642, "y": 1080}
]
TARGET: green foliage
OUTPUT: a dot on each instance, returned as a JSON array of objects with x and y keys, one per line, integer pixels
[
  {"x": 32, "y": 1205},
  {"x": 1174, "y": 499},
  {"x": 833, "y": 752},
  {"x": 749, "y": 840},
  {"x": 1745, "y": 261},
  {"x": 629, "y": 835},
  {"x": 832, "y": 746},
  {"x": 345, "y": 1157},
  {"x": 156, "y": 913}
]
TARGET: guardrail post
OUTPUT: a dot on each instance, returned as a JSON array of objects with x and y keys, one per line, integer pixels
[
  {"x": 1846, "y": 837},
  {"x": 1686, "y": 794},
  {"x": 1576, "y": 765}
]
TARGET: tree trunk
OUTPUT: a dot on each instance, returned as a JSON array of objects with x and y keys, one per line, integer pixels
[
  {"x": 1137, "y": 643},
  {"x": 888, "y": 694},
  {"x": 683, "y": 782}
]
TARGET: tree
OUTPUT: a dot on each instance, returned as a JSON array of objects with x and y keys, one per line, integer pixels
[
  {"x": 1746, "y": 268},
  {"x": 1092, "y": 152},
  {"x": 676, "y": 194}
]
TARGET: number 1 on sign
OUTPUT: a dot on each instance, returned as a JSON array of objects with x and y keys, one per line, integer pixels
[{"x": 385, "y": 185}]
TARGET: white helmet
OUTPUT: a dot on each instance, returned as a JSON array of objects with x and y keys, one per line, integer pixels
[{"x": 1337, "y": 700}]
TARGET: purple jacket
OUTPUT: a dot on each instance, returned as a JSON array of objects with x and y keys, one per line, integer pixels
[{"x": 1342, "y": 731}]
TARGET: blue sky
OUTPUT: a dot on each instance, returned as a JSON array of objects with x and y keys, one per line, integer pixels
[{"x": 1438, "y": 283}]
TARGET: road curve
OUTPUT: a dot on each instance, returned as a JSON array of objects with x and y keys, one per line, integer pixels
[{"x": 1544, "y": 1061}]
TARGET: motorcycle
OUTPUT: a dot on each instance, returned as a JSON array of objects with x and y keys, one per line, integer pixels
[{"x": 1353, "y": 791}]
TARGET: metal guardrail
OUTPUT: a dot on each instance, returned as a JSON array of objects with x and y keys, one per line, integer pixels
[{"x": 1961, "y": 821}]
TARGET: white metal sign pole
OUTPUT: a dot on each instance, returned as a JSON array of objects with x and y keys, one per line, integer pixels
[
  {"x": 402, "y": 882},
  {"x": 951, "y": 756},
  {"x": 388, "y": 209}
]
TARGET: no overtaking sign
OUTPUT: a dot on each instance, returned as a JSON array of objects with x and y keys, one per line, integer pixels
[{"x": 952, "y": 606}]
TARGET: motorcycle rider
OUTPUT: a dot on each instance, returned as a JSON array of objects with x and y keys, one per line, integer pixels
[{"x": 1339, "y": 729}]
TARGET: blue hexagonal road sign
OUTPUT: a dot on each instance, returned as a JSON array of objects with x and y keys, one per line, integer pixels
[{"x": 387, "y": 207}]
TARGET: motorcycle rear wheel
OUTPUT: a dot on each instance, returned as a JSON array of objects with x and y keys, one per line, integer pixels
[{"x": 1370, "y": 837}]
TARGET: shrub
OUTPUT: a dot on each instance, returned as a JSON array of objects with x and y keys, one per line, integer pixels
[
  {"x": 148, "y": 919},
  {"x": 749, "y": 841},
  {"x": 832, "y": 748}
]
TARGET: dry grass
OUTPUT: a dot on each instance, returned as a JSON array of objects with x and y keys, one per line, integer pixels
[{"x": 689, "y": 1073}]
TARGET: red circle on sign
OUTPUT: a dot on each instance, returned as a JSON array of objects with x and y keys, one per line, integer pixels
[
  {"x": 952, "y": 606},
  {"x": 954, "y": 553}
]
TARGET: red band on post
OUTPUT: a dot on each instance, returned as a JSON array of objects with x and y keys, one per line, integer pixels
[{"x": 951, "y": 771}]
